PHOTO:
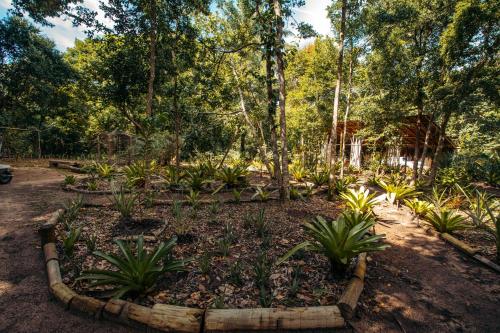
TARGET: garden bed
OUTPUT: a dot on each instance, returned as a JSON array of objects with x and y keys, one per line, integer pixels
[
  {"x": 215, "y": 278},
  {"x": 481, "y": 240}
]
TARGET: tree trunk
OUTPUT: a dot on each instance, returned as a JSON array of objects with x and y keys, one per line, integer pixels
[
  {"x": 426, "y": 146},
  {"x": 439, "y": 148},
  {"x": 332, "y": 142},
  {"x": 284, "y": 186},
  {"x": 420, "y": 109},
  {"x": 346, "y": 115},
  {"x": 271, "y": 111},
  {"x": 152, "y": 58}
]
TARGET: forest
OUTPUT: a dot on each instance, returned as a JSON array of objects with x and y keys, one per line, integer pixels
[{"x": 217, "y": 161}]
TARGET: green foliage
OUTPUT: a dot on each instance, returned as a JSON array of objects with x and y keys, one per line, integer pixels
[
  {"x": 295, "y": 284},
  {"x": 445, "y": 220},
  {"x": 397, "y": 192},
  {"x": 135, "y": 273},
  {"x": 235, "y": 273},
  {"x": 237, "y": 194},
  {"x": 223, "y": 246},
  {"x": 478, "y": 204},
  {"x": 320, "y": 177},
  {"x": 124, "y": 203},
  {"x": 295, "y": 194},
  {"x": 418, "y": 207},
  {"x": 71, "y": 210},
  {"x": 354, "y": 217},
  {"x": 69, "y": 180},
  {"x": 92, "y": 185},
  {"x": 360, "y": 200},
  {"x": 193, "y": 198},
  {"x": 204, "y": 262},
  {"x": 105, "y": 170},
  {"x": 298, "y": 172},
  {"x": 174, "y": 176},
  {"x": 449, "y": 177},
  {"x": 195, "y": 179},
  {"x": 232, "y": 177},
  {"x": 262, "y": 194},
  {"x": 91, "y": 242},
  {"x": 69, "y": 240},
  {"x": 138, "y": 172},
  {"x": 338, "y": 242}
]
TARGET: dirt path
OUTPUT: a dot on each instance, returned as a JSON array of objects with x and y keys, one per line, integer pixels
[
  {"x": 25, "y": 303},
  {"x": 420, "y": 284}
]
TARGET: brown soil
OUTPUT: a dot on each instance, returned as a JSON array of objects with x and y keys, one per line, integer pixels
[
  {"x": 230, "y": 278},
  {"x": 25, "y": 303},
  {"x": 420, "y": 284}
]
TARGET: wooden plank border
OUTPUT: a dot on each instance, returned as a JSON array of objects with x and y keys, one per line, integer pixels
[{"x": 170, "y": 318}]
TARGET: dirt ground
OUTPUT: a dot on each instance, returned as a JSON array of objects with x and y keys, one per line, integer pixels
[{"x": 420, "y": 284}]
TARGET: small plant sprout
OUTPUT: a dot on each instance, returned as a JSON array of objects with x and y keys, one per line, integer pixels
[
  {"x": 295, "y": 284},
  {"x": 237, "y": 195},
  {"x": 92, "y": 185},
  {"x": 69, "y": 240},
  {"x": 260, "y": 221},
  {"x": 124, "y": 203},
  {"x": 295, "y": 194},
  {"x": 91, "y": 242},
  {"x": 235, "y": 273},
  {"x": 262, "y": 194},
  {"x": 204, "y": 262},
  {"x": 214, "y": 207},
  {"x": 71, "y": 210},
  {"x": 69, "y": 180},
  {"x": 193, "y": 198},
  {"x": 223, "y": 246}
]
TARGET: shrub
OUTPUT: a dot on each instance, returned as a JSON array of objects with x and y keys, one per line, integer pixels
[
  {"x": 135, "y": 273},
  {"x": 69, "y": 180},
  {"x": 360, "y": 200},
  {"x": 339, "y": 243},
  {"x": 124, "y": 203},
  {"x": 445, "y": 220}
]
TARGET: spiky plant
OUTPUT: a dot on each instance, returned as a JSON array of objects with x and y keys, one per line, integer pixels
[
  {"x": 320, "y": 177},
  {"x": 69, "y": 240},
  {"x": 445, "y": 220},
  {"x": 495, "y": 218},
  {"x": 137, "y": 173},
  {"x": 195, "y": 180},
  {"x": 105, "y": 170},
  {"x": 124, "y": 203},
  {"x": 355, "y": 217},
  {"x": 262, "y": 194},
  {"x": 338, "y": 242},
  {"x": 193, "y": 198},
  {"x": 298, "y": 172},
  {"x": 476, "y": 210},
  {"x": 419, "y": 208},
  {"x": 397, "y": 192},
  {"x": 361, "y": 200},
  {"x": 69, "y": 180},
  {"x": 135, "y": 273}
]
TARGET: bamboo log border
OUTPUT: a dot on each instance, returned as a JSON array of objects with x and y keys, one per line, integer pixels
[
  {"x": 472, "y": 252},
  {"x": 67, "y": 165},
  {"x": 170, "y": 318}
]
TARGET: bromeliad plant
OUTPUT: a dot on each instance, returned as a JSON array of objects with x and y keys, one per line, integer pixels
[
  {"x": 478, "y": 202},
  {"x": 419, "y": 208},
  {"x": 355, "y": 217},
  {"x": 397, "y": 192},
  {"x": 338, "y": 242},
  {"x": 298, "y": 172},
  {"x": 445, "y": 220},
  {"x": 104, "y": 170},
  {"x": 124, "y": 203},
  {"x": 360, "y": 200},
  {"x": 135, "y": 273},
  {"x": 232, "y": 177},
  {"x": 195, "y": 180},
  {"x": 320, "y": 177}
]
